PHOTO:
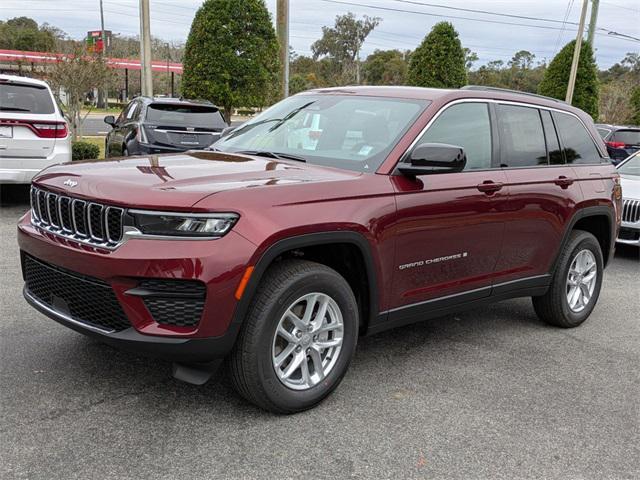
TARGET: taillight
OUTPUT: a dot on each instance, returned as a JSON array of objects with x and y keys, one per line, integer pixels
[
  {"x": 41, "y": 129},
  {"x": 616, "y": 144},
  {"x": 50, "y": 130}
]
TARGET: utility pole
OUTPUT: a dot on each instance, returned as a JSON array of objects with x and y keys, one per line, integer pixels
[
  {"x": 576, "y": 54},
  {"x": 592, "y": 22},
  {"x": 145, "y": 49},
  {"x": 282, "y": 31},
  {"x": 104, "y": 101}
]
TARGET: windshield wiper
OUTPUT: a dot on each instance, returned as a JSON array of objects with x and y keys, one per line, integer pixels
[
  {"x": 277, "y": 155},
  {"x": 14, "y": 109}
]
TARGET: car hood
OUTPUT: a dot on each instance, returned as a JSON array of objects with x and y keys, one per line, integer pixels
[
  {"x": 630, "y": 186},
  {"x": 178, "y": 181}
]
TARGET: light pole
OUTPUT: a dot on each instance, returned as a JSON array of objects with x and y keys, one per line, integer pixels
[
  {"x": 145, "y": 49},
  {"x": 282, "y": 31},
  {"x": 576, "y": 55}
]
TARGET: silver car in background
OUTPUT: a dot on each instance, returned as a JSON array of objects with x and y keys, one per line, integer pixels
[{"x": 629, "y": 170}]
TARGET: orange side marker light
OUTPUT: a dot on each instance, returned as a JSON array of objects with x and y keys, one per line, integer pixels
[{"x": 243, "y": 282}]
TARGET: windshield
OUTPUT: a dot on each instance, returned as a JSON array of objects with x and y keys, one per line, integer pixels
[
  {"x": 181, "y": 115},
  {"x": 344, "y": 131},
  {"x": 631, "y": 166},
  {"x": 20, "y": 97}
]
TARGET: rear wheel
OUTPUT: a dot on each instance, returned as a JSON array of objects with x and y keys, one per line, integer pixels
[
  {"x": 298, "y": 338},
  {"x": 576, "y": 283}
]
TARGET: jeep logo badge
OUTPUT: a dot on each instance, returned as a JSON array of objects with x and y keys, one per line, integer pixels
[{"x": 70, "y": 183}]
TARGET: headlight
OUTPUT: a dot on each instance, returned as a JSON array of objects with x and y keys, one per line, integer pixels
[{"x": 210, "y": 225}]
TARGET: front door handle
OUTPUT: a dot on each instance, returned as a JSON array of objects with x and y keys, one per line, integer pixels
[
  {"x": 563, "y": 181},
  {"x": 489, "y": 187}
]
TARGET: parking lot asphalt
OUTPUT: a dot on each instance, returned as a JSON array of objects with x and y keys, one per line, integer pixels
[{"x": 485, "y": 394}]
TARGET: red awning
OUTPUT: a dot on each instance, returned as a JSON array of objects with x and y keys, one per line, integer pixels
[{"x": 121, "y": 63}]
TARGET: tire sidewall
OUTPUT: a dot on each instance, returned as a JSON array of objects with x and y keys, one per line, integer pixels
[
  {"x": 586, "y": 242},
  {"x": 338, "y": 289}
]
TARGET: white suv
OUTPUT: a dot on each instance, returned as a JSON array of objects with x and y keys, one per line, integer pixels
[{"x": 33, "y": 131}]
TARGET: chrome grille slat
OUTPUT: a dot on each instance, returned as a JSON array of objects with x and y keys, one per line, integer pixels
[
  {"x": 91, "y": 223},
  {"x": 630, "y": 210}
]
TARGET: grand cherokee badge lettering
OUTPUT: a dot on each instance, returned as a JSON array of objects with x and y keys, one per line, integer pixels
[
  {"x": 429, "y": 261},
  {"x": 70, "y": 183}
]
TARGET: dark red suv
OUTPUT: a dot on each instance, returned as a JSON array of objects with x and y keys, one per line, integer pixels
[{"x": 333, "y": 214}]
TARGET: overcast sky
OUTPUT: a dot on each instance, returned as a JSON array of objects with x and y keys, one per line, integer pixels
[{"x": 492, "y": 37}]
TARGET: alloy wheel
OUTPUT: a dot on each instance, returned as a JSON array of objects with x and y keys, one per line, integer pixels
[
  {"x": 307, "y": 341},
  {"x": 581, "y": 280}
]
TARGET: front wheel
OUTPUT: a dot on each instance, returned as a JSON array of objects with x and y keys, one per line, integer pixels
[
  {"x": 298, "y": 339},
  {"x": 576, "y": 283}
]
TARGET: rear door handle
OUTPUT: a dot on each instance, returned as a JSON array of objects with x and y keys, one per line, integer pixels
[
  {"x": 563, "y": 181},
  {"x": 489, "y": 186}
]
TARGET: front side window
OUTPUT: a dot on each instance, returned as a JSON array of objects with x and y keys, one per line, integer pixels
[
  {"x": 465, "y": 125},
  {"x": 576, "y": 141},
  {"x": 522, "y": 142},
  {"x": 336, "y": 130}
]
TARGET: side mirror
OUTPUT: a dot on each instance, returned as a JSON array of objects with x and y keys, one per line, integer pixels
[
  {"x": 430, "y": 158},
  {"x": 110, "y": 120},
  {"x": 226, "y": 131}
]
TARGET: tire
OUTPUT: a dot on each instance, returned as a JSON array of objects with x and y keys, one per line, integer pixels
[
  {"x": 252, "y": 363},
  {"x": 554, "y": 306}
]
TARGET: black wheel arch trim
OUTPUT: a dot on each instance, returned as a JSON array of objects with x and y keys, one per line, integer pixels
[
  {"x": 583, "y": 213},
  {"x": 301, "y": 241}
]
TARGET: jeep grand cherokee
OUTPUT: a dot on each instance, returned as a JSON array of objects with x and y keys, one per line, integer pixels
[{"x": 334, "y": 214}]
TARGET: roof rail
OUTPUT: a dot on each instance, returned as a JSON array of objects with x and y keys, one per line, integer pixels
[{"x": 508, "y": 90}]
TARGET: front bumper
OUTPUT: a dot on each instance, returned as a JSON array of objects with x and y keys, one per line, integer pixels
[
  {"x": 219, "y": 264},
  {"x": 629, "y": 234},
  {"x": 186, "y": 350}
]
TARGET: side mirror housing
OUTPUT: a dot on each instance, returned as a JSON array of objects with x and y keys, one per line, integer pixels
[
  {"x": 430, "y": 158},
  {"x": 110, "y": 120}
]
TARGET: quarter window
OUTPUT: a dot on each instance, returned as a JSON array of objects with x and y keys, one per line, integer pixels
[
  {"x": 522, "y": 142},
  {"x": 466, "y": 125},
  {"x": 576, "y": 141}
]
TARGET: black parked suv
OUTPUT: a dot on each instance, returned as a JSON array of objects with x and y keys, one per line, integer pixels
[
  {"x": 162, "y": 125},
  {"x": 621, "y": 141}
]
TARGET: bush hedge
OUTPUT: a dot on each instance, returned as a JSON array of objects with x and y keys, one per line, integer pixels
[{"x": 84, "y": 151}]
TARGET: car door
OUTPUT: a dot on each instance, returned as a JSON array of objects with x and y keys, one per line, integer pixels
[
  {"x": 543, "y": 192},
  {"x": 449, "y": 226},
  {"x": 119, "y": 132}
]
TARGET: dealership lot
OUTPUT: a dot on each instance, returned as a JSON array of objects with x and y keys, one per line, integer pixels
[{"x": 491, "y": 393}]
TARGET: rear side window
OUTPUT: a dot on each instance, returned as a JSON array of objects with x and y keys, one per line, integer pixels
[
  {"x": 20, "y": 97},
  {"x": 551, "y": 136},
  {"x": 628, "y": 137},
  {"x": 576, "y": 141},
  {"x": 522, "y": 142},
  {"x": 182, "y": 115},
  {"x": 466, "y": 125},
  {"x": 603, "y": 132}
]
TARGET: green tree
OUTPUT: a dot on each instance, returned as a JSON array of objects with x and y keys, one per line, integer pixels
[
  {"x": 469, "y": 58},
  {"x": 23, "y": 33},
  {"x": 231, "y": 55},
  {"x": 556, "y": 78},
  {"x": 439, "y": 61},
  {"x": 340, "y": 45},
  {"x": 635, "y": 106},
  {"x": 385, "y": 67}
]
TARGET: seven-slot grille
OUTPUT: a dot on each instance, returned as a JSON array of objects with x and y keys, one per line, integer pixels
[
  {"x": 77, "y": 219},
  {"x": 630, "y": 210}
]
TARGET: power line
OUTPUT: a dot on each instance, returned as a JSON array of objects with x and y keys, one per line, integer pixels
[
  {"x": 566, "y": 16},
  {"x": 485, "y": 12},
  {"x": 499, "y": 22}
]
